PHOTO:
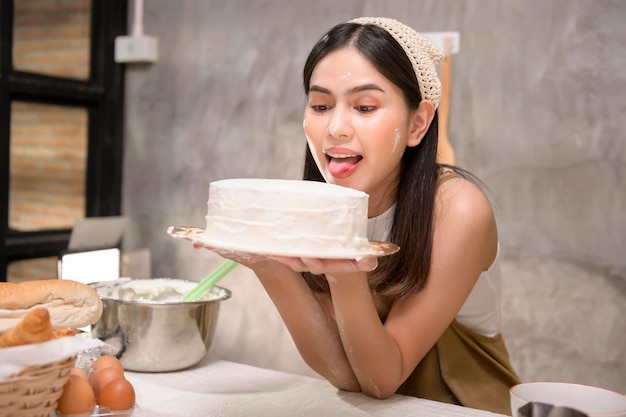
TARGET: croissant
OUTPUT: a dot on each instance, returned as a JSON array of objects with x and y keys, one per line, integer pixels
[
  {"x": 35, "y": 327},
  {"x": 63, "y": 332}
]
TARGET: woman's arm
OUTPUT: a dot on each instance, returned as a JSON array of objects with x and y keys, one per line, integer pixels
[
  {"x": 312, "y": 328},
  {"x": 307, "y": 315}
]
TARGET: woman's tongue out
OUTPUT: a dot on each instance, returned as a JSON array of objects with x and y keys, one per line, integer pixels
[{"x": 343, "y": 167}]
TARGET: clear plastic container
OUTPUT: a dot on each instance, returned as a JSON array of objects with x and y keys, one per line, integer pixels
[{"x": 84, "y": 361}]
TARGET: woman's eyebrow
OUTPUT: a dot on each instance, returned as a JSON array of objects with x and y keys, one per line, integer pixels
[
  {"x": 319, "y": 89},
  {"x": 364, "y": 87},
  {"x": 353, "y": 90}
]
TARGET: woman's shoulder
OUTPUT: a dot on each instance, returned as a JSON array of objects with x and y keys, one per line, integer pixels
[
  {"x": 464, "y": 217},
  {"x": 458, "y": 195}
]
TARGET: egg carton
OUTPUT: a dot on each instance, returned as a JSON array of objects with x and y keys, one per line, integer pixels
[
  {"x": 84, "y": 360},
  {"x": 102, "y": 412}
]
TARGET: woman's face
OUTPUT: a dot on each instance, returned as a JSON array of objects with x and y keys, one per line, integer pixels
[{"x": 357, "y": 125}]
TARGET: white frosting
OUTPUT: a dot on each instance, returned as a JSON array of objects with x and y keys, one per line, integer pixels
[
  {"x": 162, "y": 290},
  {"x": 286, "y": 217}
]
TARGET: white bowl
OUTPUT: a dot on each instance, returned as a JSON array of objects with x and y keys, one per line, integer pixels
[{"x": 593, "y": 401}]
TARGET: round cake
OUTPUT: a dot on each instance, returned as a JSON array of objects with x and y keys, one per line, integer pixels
[{"x": 286, "y": 217}]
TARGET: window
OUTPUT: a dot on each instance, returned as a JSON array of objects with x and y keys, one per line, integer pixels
[
  {"x": 61, "y": 113},
  {"x": 52, "y": 37},
  {"x": 48, "y": 163}
]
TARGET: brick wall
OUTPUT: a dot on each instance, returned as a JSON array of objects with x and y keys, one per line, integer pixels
[
  {"x": 48, "y": 162},
  {"x": 31, "y": 269},
  {"x": 52, "y": 37},
  {"x": 48, "y": 151}
]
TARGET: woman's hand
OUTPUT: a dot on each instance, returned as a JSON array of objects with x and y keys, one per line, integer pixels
[
  {"x": 329, "y": 267},
  {"x": 299, "y": 264}
]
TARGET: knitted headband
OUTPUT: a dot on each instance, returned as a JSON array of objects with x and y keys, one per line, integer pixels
[{"x": 423, "y": 54}]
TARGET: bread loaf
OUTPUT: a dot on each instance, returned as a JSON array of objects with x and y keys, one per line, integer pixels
[{"x": 70, "y": 303}]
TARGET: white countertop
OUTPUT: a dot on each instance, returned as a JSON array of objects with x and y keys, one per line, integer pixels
[{"x": 225, "y": 389}]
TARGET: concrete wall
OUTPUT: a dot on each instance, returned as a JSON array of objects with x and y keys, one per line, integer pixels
[{"x": 538, "y": 98}]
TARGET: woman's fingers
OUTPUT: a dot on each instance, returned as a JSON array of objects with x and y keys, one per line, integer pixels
[
  {"x": 316, "y": 266},
  {"x": 328, "y": 266},
  {"x": 294, "y": 263},
  {"x": 367, "y": 264},
  {"x": 313, "y": 265}
]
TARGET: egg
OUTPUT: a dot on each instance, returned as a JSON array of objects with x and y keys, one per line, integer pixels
[
  {"x": 106, "y": 361},
  {"x": 78, "y": 372},
  {"x": 104, "y": 376},
  {"x": 118, "y": 394},
  {"x": 77, "y": 396}
]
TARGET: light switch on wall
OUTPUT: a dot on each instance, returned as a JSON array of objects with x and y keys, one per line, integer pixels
[{"x": 136, "y": 48}]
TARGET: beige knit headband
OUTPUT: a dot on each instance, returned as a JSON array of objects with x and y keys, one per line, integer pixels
[{"x": 423, "y": 54}]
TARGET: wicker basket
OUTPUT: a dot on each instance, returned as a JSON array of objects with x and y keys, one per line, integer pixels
[{"x": 35, "y": 390}]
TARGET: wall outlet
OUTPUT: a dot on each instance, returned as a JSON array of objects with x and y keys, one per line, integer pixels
[
  {"x": 450, "y": 42},
  {"x": 136, "y": 49}
]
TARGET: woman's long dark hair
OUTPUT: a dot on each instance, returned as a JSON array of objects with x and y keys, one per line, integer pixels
[{"x": 405, "y": 272}]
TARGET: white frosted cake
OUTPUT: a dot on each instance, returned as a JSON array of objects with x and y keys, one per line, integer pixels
[{"x": 286, "y": 217}]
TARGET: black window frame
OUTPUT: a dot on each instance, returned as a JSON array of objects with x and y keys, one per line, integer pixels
[{"x": 103, "y": 97}]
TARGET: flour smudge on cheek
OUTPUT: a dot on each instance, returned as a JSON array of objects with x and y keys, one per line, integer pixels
[{"x": 396, "y": 140}]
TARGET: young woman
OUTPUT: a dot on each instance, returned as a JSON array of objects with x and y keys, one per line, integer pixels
[{"x": 425, "y": 321}]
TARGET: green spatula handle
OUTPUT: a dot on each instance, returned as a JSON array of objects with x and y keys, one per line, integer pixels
[{"x": 208, "y": 283}]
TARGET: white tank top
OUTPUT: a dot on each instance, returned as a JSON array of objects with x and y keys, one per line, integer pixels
[{"x": 481, "y": 310}]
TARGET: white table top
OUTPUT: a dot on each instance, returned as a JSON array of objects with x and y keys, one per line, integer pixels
[{"x": 225, "y": 389}]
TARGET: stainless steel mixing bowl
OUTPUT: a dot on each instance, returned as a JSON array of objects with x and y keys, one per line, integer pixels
[{"x": 158, "y": 336}]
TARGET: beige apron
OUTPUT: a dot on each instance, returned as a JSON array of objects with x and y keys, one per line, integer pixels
[{"x": 464, "y": 368}]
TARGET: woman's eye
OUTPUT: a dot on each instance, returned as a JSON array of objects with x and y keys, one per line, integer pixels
[
  {"x": 320, "y": 107},
  {"x": 366, "y": 109}
]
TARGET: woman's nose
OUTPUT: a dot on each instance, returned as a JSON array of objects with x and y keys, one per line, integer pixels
[{"x": 339, "y": 124}]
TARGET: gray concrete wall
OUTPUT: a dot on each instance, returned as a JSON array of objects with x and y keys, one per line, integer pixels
[{"x": 538, "y": 104}]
